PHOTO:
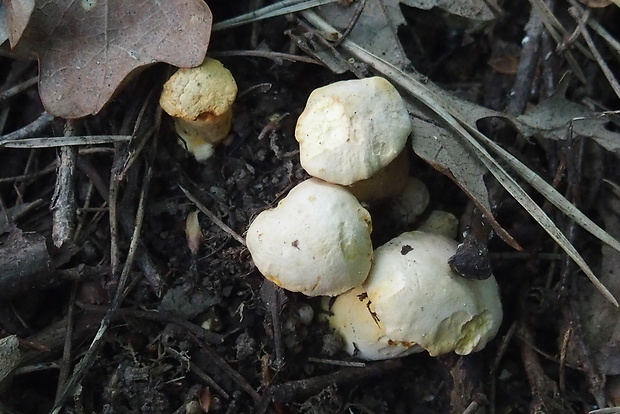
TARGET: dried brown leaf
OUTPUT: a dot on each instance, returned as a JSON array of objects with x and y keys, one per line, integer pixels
[
  {"x": 376, "y": 27},
  {"x": 18, "y": 14},
  {"x": 4, "y": 26},
  {"x": 86, "y": 49},
  {"x": 472, "y": 9},
  {"x": 596, "y": 3},
  {"x": 599, "y": 319},
  {"x": 556, "y": 118}
]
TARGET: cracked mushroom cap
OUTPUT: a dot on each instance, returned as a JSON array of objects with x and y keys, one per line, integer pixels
[
  {"x": 200, "y": 99},
  {"x": 316, "y": 241},
  {"x": 419, "y": 299},
  {"x": 349, "y": 130}
]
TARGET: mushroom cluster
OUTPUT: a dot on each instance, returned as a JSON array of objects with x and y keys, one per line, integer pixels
[{"x": 402, "y": 297}]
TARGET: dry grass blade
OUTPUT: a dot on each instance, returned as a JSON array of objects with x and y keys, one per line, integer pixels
[
  {"x": 559, "y": 33},
  {"x": 456, "y": 122},
  {"x": 212, "y": 216},
  {"x": 580, "y": 18},
  {"x": 609, "y": 410},
  {"x": 551, "y": 194},
  {"x": 52, "y": 142},
  {"x": 273, "y": 10}
]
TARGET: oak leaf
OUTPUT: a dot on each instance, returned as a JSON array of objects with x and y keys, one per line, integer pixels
[{"x": 87, "y": 48}]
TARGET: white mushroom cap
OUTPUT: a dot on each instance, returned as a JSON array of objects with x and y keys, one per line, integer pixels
[
  {"x": 418, "y": 298},
  {"x": 350, "y": 130},
  {"x": 200, "y": 99},
  {"x": 316, "y": 241},
  {"x": 351, "y": 316}
]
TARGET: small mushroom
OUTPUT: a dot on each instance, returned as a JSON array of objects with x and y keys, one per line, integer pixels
[
  {"x": 350, "y": 130},
  {"x": 316, "y": 241},
  {"x": 418, "y": 298},
  {"x": 415, "y": 300},
  {"x": 200, "y": 99}
]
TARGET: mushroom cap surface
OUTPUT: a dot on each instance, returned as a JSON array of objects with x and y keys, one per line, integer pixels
[
  {"x": 315, "y": 241},
  {"x": 419, "y": 299},
  {"x": 199, "y": 93},
  {"x": 351, "y": 316},
  {"x": 349, "y": 130}
]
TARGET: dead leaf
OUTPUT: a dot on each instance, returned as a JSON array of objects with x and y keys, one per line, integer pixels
[
  {"x": 376, "y": 27},
  {"x": 472, "y": 9},
  {"x": 555, "y": 117},
  {"x": 434, "y": 144},
  {"x": 443, "y": 151},
  {"x": 24, "y": 263},
  {"x": 505, "y": 65},
  {"x": 599, "y": 319},
  {"x": 596, "y": 3},
  {"x": 86, "y": 49},
  {"x": 9, "y": 356},
  {"x": 18, "y": 14},
  {"x": 4, "y": 26}
]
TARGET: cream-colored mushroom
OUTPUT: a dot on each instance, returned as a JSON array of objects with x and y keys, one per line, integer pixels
[
  {"x": 353, "y": 317},
  {"x": 200, "y": 99},
  {"x": 419, "y": 299},
  {"x": 350, "y": 130},
  {"x": 316, "y": 241},
  {"x": 412, "y": 300}
]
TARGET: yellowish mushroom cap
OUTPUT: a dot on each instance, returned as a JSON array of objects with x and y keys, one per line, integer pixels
[
  {"x": 200, "y": 100},
  {"x": 419, "y": 299}
]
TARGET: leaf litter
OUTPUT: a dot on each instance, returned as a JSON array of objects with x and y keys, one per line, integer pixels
[{"x": 451, "y": 122}]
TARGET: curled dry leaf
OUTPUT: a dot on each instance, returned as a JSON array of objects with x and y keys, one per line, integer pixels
[
  {"x": 376, "y": 26},
  {"x": 599, "y": 319},
  {"x": 86, "y": 49}
]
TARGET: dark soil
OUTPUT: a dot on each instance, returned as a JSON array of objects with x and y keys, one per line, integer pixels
[{"x": 205, "y": 329}]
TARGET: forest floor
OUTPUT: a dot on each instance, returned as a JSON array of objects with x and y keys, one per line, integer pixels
[{"x": 203, "y": 331}]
